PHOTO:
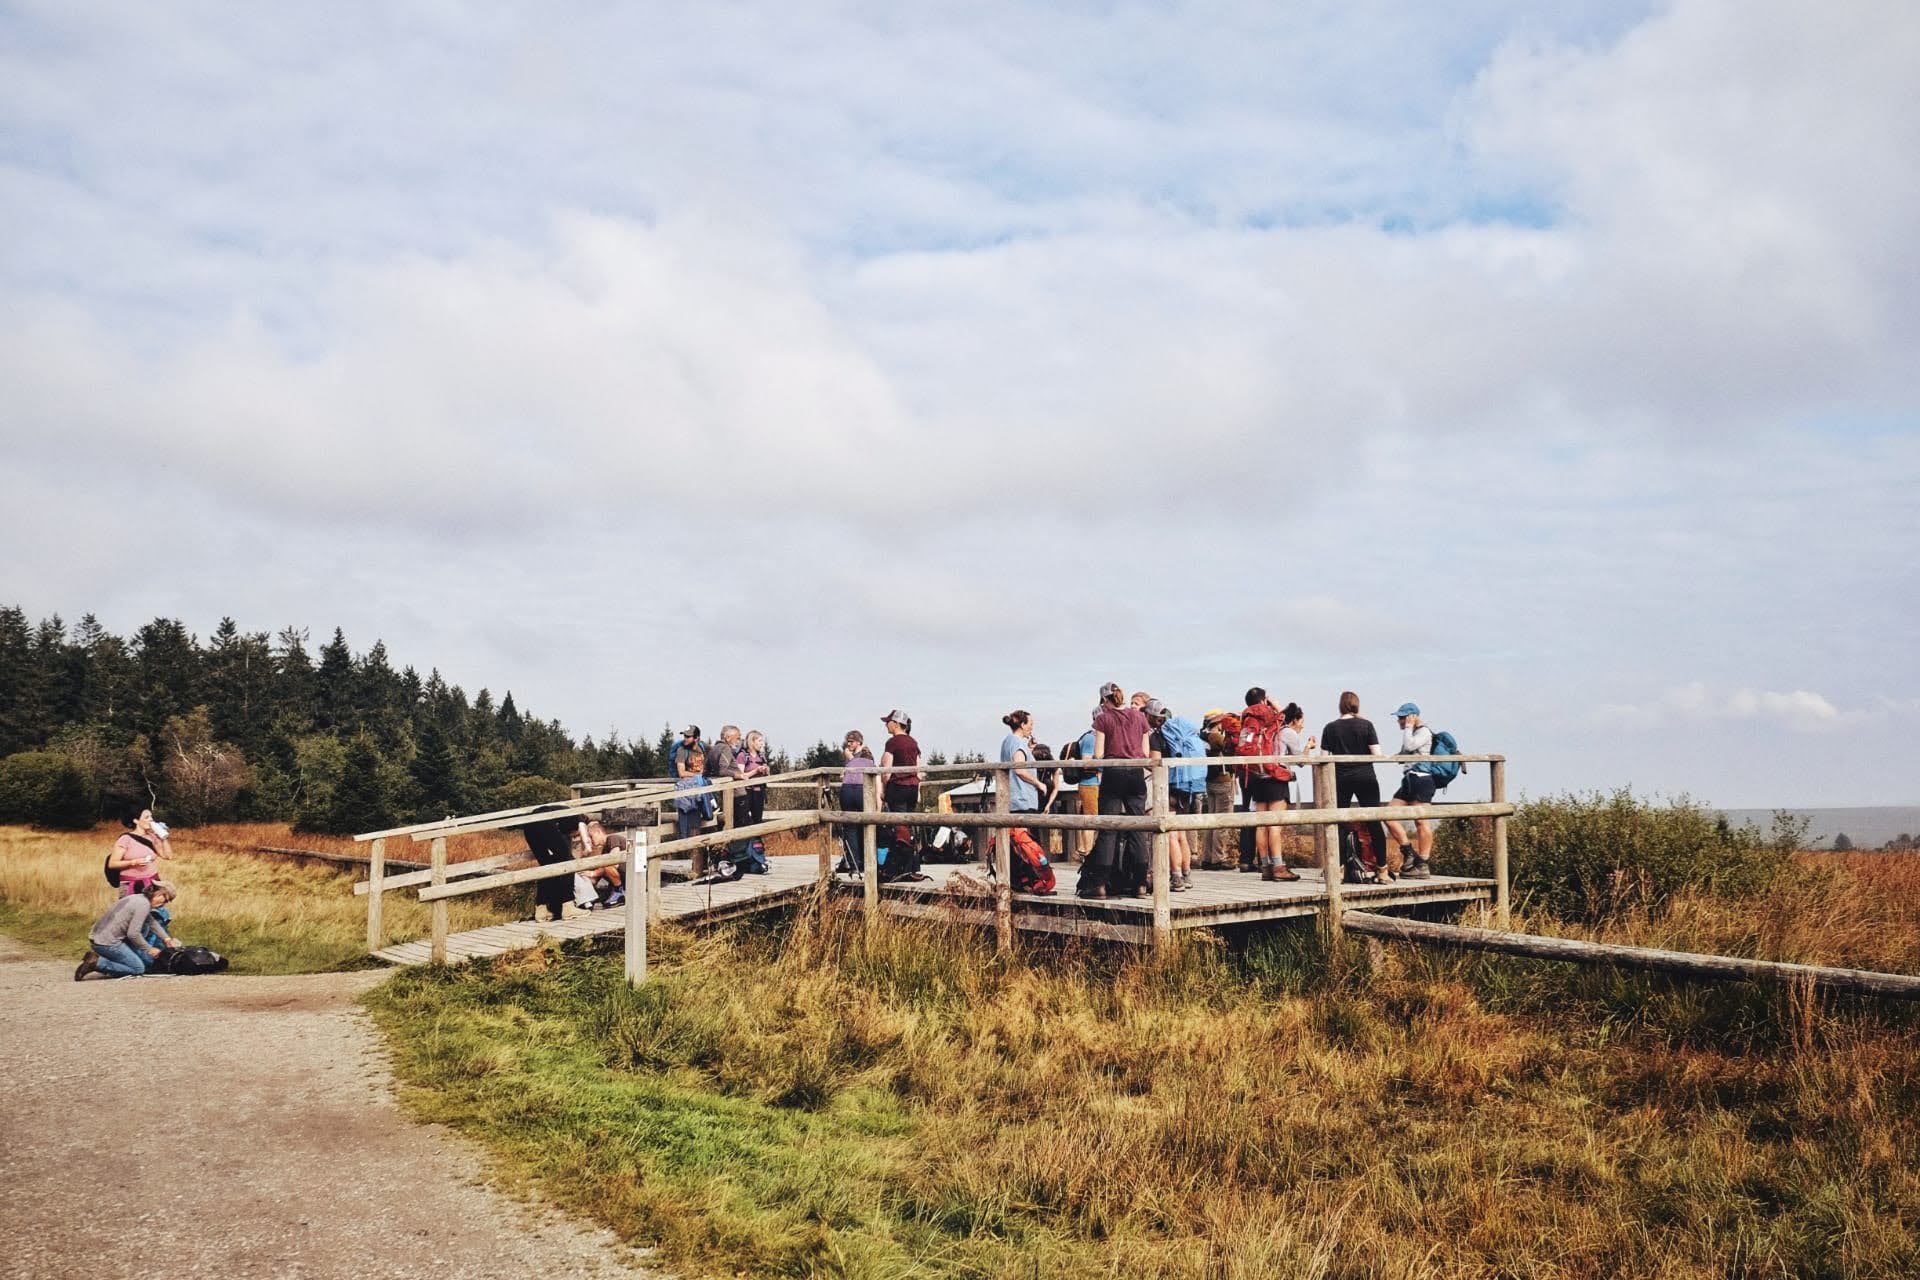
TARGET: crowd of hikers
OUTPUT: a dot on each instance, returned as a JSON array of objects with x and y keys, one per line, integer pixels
[
  {"x": 1141, "y": 727},
  {"x": 134, "y": 936}
]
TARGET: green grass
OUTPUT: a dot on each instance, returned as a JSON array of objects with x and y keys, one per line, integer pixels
[{"x": 823, "y": 1101}]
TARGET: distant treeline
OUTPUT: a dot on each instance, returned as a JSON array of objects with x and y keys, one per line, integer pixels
[{"x": 252, "y": 726}]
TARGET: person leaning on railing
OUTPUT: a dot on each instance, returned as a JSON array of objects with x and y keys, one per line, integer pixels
[
  {"x": 752, "y": 762},
  {"x": 853, "y": 795}
]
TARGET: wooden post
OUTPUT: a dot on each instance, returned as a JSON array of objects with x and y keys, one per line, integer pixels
[
  {"x": 376, "y": 896},
  {"x": 1003, "y": 866},
  {"x": 439, "y": 954},
  {"x": 651, "y": 874},
  {"x": 1502, "y": 911},
  {"x": 1162, "y": 860},
  {"x": 870, "y": 847},
  {"x": 1326, "y": 796},
  {"x": 726, "y": 807},
  {"x": 639, "y": 903}
]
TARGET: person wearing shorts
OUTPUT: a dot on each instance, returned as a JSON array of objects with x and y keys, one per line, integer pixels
[{"x": 1417, "y": 785}]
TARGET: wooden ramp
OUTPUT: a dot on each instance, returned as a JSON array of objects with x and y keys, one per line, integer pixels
[{"x": 787, "y": 880}]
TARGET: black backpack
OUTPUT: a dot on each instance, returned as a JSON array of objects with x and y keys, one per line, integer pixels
[
  {"x": 1075, "y": 777},
  {"x": 190, "y": 960}
]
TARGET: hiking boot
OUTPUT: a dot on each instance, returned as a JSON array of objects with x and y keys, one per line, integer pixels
[
  {"x": 1281, "y": 871},
  {"x": 616, "y": 898},
  {"x": 1418, "y": 869},
  {"x": 1178, "y": 884},
  {"x": 88, "y": 964},
  {"x": 1097, "y": 891}
]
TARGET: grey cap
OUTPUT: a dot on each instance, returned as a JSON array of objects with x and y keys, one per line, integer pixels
[
  {"x": 1108, "y": 689},
  {"x": 1156, "y": 709}
]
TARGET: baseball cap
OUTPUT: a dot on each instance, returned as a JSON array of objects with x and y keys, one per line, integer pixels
[
  {"x": 1213, "y": 713},
  {"x": 1108, "y": 689},
  {"x": 1406, "y": 709},
  {"x": 1156, "y": 709},
  {"x": 691, "y": 731},
  {"x": 897, "y": 716}
]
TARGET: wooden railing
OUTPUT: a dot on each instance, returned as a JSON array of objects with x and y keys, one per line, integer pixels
[{"x": 441, "y": 882}]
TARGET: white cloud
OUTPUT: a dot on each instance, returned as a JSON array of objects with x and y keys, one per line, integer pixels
[
  {"x": 1452, "y": 351},
  {"x": 1694, "y": 702}
]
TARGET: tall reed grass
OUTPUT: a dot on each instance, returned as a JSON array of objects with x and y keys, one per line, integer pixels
[{"x": 828, "y": 1099}]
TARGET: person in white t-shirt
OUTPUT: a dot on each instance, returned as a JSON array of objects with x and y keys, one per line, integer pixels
[{"x": 1417, "y": 786}]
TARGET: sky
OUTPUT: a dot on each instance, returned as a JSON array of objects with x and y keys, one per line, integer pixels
[{"x": 1553, "y": 367}]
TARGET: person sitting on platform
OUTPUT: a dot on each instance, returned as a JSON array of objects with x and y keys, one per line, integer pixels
[{"x": 600, "y": 887}]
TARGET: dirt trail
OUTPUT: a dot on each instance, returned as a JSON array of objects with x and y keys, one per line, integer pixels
[{"x": 274, "y": 1147}]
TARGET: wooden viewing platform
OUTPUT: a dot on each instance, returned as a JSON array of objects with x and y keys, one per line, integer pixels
[{"x": 1216, "y": 899}]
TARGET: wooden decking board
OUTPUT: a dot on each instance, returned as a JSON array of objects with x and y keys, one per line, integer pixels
[{"x": 1217, "y": 897}]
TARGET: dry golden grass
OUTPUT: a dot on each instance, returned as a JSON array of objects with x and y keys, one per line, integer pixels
[
  {"x": 268, "y": 915},
  {"x": 825, "y": 1100}
]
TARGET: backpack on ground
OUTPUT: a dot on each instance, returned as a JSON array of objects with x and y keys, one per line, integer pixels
[
  {"x": 190, "y": 960},
  {"x": 1444, "y": 771},
  {"x": 1028, "y": 867},
  {"x": 750, "y": 856},
  {"x": 900, "y": 857},
  {"x": 1075, "y": 777},
  {"x": 1260, "y": 736}
]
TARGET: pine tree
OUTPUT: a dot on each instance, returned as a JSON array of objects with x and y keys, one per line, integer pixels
[
  {"x": 436, "y": 776},
  {"x": 166, "y": 661},
  {"x": 16, "y": 675},
  {"x": 360, "y": 802},
  {"x": 296, "y": 702},
  {"x": 334, "y": 693}
]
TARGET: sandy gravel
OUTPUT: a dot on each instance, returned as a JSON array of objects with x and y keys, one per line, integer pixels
[{"x": 274, "y": 1149}]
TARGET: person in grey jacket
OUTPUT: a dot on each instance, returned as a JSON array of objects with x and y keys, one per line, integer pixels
[{"x": 120, "y": 948}]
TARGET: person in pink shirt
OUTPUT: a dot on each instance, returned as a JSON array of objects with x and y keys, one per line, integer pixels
[{"x": 137, "y": 852}]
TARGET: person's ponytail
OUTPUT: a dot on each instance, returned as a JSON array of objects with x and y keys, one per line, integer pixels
[{"x": 1014, "y": 719}]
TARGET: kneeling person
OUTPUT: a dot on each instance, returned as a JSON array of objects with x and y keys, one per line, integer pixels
[{"x": 120, "y": 947}]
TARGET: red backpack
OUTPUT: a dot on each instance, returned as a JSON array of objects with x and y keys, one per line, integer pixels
[
  {"x": 1030, "y": 870},
  {"x": 1260, "y": 736}
]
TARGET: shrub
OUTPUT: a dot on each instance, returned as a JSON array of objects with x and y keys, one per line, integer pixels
[
  {"x": 1584, "y": 857},
  {"x": 46, "y": 789},
  {"x": 528, "y": 790}
]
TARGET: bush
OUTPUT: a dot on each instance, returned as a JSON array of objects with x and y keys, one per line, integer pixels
[
  {"x": 1584, "y": 857},
  {"x": 48, "y": 790},
  {"x": 528, "y": 790}
]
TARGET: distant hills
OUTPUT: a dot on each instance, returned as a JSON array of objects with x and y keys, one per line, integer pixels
[{"x": 1867, "y": 828}]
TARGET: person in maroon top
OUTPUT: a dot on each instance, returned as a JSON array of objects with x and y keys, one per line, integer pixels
[
  {"x": 1118, "y": 867},
  {"x": 900, "y": 791}
]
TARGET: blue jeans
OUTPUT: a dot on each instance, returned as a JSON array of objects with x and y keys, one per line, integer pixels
[{"x": 120, "y": 960}]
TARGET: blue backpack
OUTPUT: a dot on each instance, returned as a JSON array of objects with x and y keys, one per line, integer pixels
[
  {"x": 1183, "y": 739},
  {"x": 1444, "y": 771}
]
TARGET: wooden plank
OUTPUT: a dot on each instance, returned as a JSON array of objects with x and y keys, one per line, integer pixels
[
  {"x": 1896, "y": 986},
  {"x": 1502, "y": 911}
]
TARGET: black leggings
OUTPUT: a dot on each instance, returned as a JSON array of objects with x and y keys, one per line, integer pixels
[
  {"x": 1362, "y": 791},
  {"x": 1120, "y": 859}
]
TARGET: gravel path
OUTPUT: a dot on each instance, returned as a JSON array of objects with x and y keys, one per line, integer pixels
[{"x": 272, "y": 1145}]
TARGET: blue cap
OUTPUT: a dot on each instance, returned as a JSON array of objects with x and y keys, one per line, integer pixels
[{"x": 1406, "y": 709}]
